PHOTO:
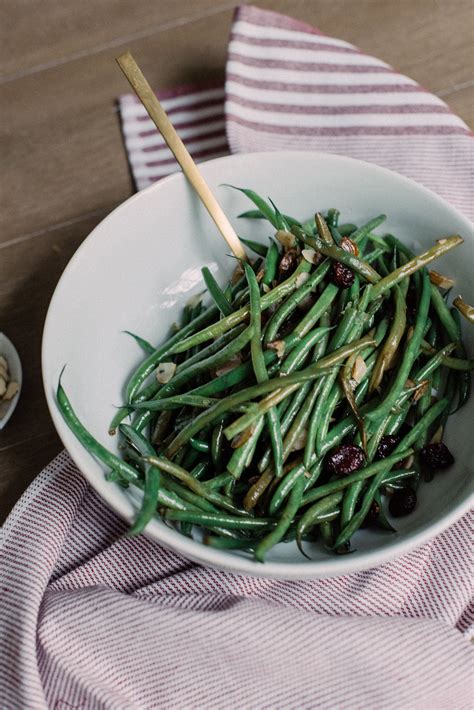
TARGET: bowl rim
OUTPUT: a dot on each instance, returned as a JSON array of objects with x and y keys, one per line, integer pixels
[{"x": 193, "y": 549}]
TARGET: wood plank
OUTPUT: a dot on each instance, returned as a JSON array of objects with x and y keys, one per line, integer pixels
[
  {"x": 62, "y": 146},
  {"x": 62, "y": 143},
  {"x": 48, "y": 32}
]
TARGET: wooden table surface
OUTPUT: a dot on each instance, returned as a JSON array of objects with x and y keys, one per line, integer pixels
[{"x": 63, "y": 163}]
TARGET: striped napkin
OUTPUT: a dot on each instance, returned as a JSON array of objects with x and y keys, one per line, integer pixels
[{"x": 92, "y": 619}]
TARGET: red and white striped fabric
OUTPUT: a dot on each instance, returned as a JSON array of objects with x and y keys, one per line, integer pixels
[{"x": 92, "y": 619}]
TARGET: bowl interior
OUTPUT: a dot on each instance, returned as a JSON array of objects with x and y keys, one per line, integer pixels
[{"x": 143, "y": 262}]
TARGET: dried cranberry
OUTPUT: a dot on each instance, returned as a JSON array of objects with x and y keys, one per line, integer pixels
[
  {"x": 402, "y": 502},
  {"x": 346, "y": 459},
  {"x": 387, "y": 445},
  {"x": 370, "y": 519},
  {"x": 341, "y": 275},
  {"x": 436, "y": 456}
]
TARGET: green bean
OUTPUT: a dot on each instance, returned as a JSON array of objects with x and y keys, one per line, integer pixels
[
  {"x": 127, "y": 472},
  {"x": 199, "y": 445},
  {"x": 326, "y": 530},
  {"x": 289, "y": 306},
  {"x": 409, "y": 355},
  {"x": 216, "y": 329},
  {"x": 287, "y": 420},
  {"x": 289, "y": 512},
  {"x": 314, "y": 371},
  {"x": 259, "y": 203},
  {"x": 359, "y": 234},
  {"x": 121, "y": 414},
  {"x": 349, "y": 502},
  {"x": 216, "y": 292},
  {"x": 323, "y": 229},
  {"x": 338, "y": 254},
  {"x": 257, "y": 214},
  {"x": 442, "y": 247},
  {"x": 456, "y": 363},
  {"x": 149, "y": 502},
  {"x": 197, "y": 502},
  {"x": 313, "y": 515},
  {"x": 389, "y": 349},
  {"x": 284, "y": 487},
  {"x": 239, "y": 459},
  {"x": 260, "y": 369},
  {"x": 332, "y": 218},
  {"x": 316, "y": 311},
  {"x": 271, "y": 263},
  {"x": 219, "y": 481},
  {"x": 344, "y": 328},
  {"x": 299, "y": 353},
  {"x": 227, "y": 543},
  {"x": 199, "y": 470},
  {"x": 195, "y": 486},
  {"x": 254, "y": 414},
  {"x": 210, "y": 520},
  {"x": 144, "y": 344}
]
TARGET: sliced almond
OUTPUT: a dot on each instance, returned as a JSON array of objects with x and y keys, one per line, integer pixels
[
  {"x": 4, "y": 372},
  {"x": 410, "y": 383},
  {"x": 310, "y": 255},
  {"x": 260, "y": 275},
  {"x": 266, "y": 288},
  {"x": 286, "y": 239},
  {"x": 440, "y": 280},
  {"x": 165, "y": 372},
  {"x": 301, "y": 279},
  {"x": 349, "y": 246},
  {"x": 3, "y": 386},
  {"x": 11, "y": 391},
  {"x": 3, "y": 363},
  {"x": 421, "y": 390},
  {"x": 359, "y": 369},
  {"x": 278, "y": 346}
]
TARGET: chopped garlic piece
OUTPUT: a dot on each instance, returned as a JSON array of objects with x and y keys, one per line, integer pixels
[
  {"x": 301, "y": 279},
  {"x": 165, "y": 372},
  {"x": 278, "y": 346},
  {"x": 310, "y": 255}
]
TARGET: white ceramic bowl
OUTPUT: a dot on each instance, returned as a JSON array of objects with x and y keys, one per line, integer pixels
[{"x": 142, "y": 263}]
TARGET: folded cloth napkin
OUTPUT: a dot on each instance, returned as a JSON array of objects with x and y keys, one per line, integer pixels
[{"x": 93, "y": 619}]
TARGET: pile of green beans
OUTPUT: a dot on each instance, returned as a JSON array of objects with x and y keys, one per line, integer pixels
[{"x": 226, "y": 427}]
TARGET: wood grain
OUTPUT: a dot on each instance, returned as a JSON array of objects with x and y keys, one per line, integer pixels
[{"x": 63, "y": 163}]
